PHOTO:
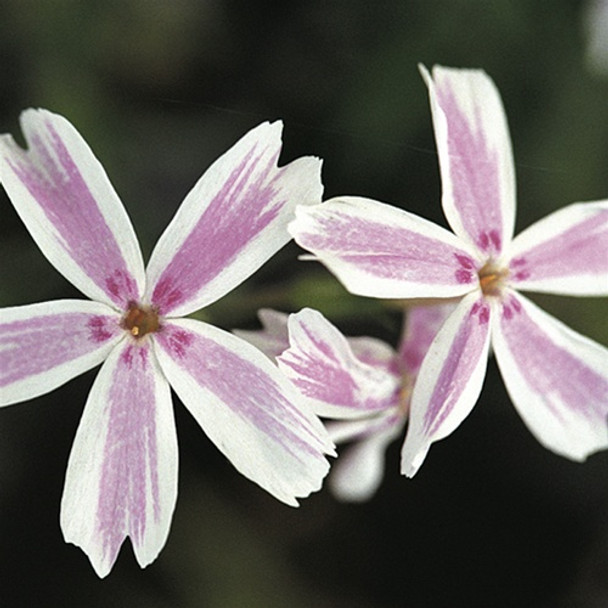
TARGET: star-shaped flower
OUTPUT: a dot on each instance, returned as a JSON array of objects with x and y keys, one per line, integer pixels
[
  {"x": 362, "y": 383},
  {"x": 557, "y": 379},
  {"x": 122, "y": 473}
]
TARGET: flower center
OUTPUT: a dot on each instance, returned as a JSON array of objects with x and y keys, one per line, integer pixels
[
  {"x": 492, "y": 278},
  {"x": 140, "y": 320},
  {"x": 405, "y": 394}
]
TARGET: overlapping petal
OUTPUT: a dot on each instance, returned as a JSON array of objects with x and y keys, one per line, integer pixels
[
  {"x": 321, "y": 365},
  {"x": 566, "y": 252},
  {"x": 273, "y": 338},
  {"x": 421, "y": 326},
  {"x": 232, "y": 221},
  {"x": 449, "y": 380},
  {"x": 122, "y": 473},
  {"x": 42, "y": 346},
  {"x": 380, "y": 251},
  {"x": 65, "y": 199},
  {"x": 557, "y": 379},
  {"x": 475, "y": 157},
  {"x": 358, "y": 472},
  {"x": 246, "y": 406}
]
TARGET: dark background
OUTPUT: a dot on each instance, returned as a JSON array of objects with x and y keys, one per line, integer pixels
[{"x": 159, "y": 89}]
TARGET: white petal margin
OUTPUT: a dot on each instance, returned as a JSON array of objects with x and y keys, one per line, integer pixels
[
  {"x": 475, "y": 156},
  {"x": 232, "y": 221},
  {"x": 557, "y": 378},
  {"x": 247, "y": 407},
  {"x": 381, "y": 251},
  {"x": 65, "y": 199},
  {"x": 566, "y": 252},
  {"x": 321, "y": 365},
  {"x": 449, "y": 381},
  {"x": 122, "y": 473},
  {"x": 44, "y": 345},
  {"x": 359, "y": 470}
]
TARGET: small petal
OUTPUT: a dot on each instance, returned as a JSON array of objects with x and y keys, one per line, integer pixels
[
  {"x": 42, "y": 346},
  {"x": 358, "y": 472},
  {"x": 565, "y": 252},
  {"x": 449, "y": 381},
  {"x": 273, "y": 339},
  {"x": 557, "y": 379},
  {"x": 232, "y": 221},
  {"x": 70, "y": 208},
  {"x": 247, "y": 408},
  {"x": 322, "y": 366},
  {"x": 122, "y": 473},
  {"x": 420, "y": 328},
  {"x": 380, "y": 251},
  {"x": 475, "y": 157}
]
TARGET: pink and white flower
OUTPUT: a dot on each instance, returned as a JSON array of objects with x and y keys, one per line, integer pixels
[
  {"x": 122, "y": 473},
  {"x": 362, "y": 383},
  {"x": 557, "y": 379}
]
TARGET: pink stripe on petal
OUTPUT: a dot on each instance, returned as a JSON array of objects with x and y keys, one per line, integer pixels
[
  {"x": 246, "y": 407},
  {"x": 66, "y": 201},
  {"x": 475, "y": 156},
  {"x": 449, "y": 381},
  {"x": 232, "y": 221},
  {"x": 42, "y": 346},
  {"x": 380, "y": 251},
  {"x": 322, "y": 366},
  {"x": 122, "y": 473},
  {"x": 557, "y": 379},
  {"x": 565, "y": 252}
]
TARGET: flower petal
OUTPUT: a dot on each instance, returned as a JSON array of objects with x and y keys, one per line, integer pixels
[
  {"x": 422, "y": 322},
  {"x": 475, "y": 157},
  {"x": 384, "y": 252},
  {"x": 557, "y": 379},
  {"x": 247, "y": 408},
  {"x": 122, "y": 473},
  {"x": 232, "y": 221},
  {"x": 357, "y": 474},
  {"x": 449, "y": 381},
  {"x": 67, "y": 203},
  {"x": 44, "y": 345},
  {"x": 273, "y": 339},
  {"x": 321, "y": 365},
  {"x": 565, "y": 252}
]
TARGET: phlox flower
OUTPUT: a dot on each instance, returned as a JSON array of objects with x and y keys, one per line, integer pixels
[
  {"x": 557, "y": 379},
  {"x": 361, "y": 382},
  {"x": 122, "y": 473}
]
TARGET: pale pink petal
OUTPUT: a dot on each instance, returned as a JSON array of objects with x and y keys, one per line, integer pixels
[
  {"x": 67, "y": 203},
  {"x": 321, "y": 365},
  {"x": 273, "y": 339},
  {"x": 449, "y": 381},
  {"x": 565, "y": 252},
  {"x": 557, "y": 379},
  {"x": 373, "y": 352},
  {"x": 232, "y": 221},
  {"x": 422, "y": 322},
  {"x": 44, "y": 345},
  {"x": 384, "y": 252},
  {"x": 122, "y": 473},
  {"x": 358, "y": 473},
  {"x": 475, "y": 157},
  {"x": 247, "y": 408}
]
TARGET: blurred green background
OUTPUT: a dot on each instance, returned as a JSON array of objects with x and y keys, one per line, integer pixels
[{"x": 159, "y": 89}]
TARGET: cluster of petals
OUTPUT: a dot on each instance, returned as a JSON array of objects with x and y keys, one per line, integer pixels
[
  {"x": 556, "y": 378},
  {"x": 122, "y": 473},
  {"x": 361, "y": 382}
]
